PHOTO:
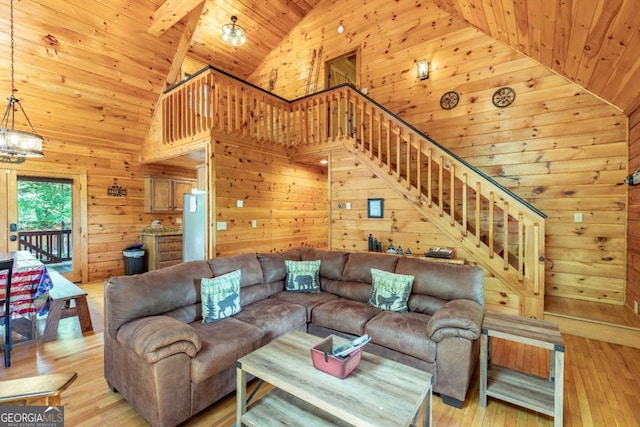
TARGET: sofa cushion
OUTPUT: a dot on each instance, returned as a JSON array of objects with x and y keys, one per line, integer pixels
[
  {"x": 303, "y": 276},
  {"x": 223, "y": 343},
  {"x": 304, "y": 299},
  {"x": 343, "y": 315},
  {"x": 425, "y": 303},
  {"x": 356, "y": 291},
  {"x": 390, "y": 291},
  {"x": 247, "y": 263},
  {"x": 252, "y": 293},
  {"x": 157, "y": 337},
  {"x": 274, "y": 317},
  {"x": 273, "y": 267},
  {"x": 220, "y": 296},
  {"x": 153, "y": 293},
  {"x": 444, "y": 281},
  {"x": 333, "y": 262},
  {"x": 403, "y": 332},
  {"x": 359, "y": 265}
]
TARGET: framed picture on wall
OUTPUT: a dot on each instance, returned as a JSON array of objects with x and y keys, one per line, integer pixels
[{"x": 375, "y": 208}]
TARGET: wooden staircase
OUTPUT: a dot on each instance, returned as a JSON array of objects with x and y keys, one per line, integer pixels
[{"x": 503, "y": 233}]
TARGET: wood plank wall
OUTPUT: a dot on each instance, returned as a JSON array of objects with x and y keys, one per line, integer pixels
[
  {"x": 288, "y": 201},
  {"x": 557, "y": 146},
  {"x": 633, "y": 223},
  {"x": 113, "y": 222},
  {"x": 402, "y": 225}
]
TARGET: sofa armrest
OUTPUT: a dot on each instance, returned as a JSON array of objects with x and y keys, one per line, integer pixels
[
  {"x": 156, "y": 337},
  {"x": 458, "y": 318}
]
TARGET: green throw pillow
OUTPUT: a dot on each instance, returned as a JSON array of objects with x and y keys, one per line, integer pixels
[
  {"x": 390, "y": 291},
  {"x": 303, "y": 276},
  {"x": 220, "y": 296}
]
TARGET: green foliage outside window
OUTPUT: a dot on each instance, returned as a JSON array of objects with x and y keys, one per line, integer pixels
[{"x": 44, "y": 205}]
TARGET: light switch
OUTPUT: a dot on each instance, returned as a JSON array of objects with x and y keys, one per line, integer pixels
[
  {"x": 221, "y": 225},
  {"x": 240, "y": 203},
  {"x": 577, "y": 217},
  {"x": 348, "y": 205},
  {"x": 254, "y": 223}
]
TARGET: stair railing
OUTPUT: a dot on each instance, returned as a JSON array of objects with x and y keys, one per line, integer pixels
[{"x": 499, "y": 228}]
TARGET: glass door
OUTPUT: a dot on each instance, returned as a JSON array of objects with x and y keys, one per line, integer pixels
[{"x": 45, "y": 217}]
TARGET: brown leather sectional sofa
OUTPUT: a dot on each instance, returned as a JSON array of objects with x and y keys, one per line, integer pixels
[{"x": 169, "y": 365}]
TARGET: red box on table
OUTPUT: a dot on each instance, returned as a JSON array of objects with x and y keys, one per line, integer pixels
[{"x": 324, "y": 360}]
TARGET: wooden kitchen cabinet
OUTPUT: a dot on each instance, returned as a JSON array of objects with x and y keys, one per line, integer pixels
[
  {"x": 165, "y": 194},
  {"x": 163, "y": 249},
  {"x": 180, "y": 188}
]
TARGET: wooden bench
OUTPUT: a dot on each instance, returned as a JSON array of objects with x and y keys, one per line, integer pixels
[
  {"x": 41, "y": 390},
  {"x": 61, "y": 297}
]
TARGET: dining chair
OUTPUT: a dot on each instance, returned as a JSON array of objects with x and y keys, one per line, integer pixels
[{"x": 5, "y": 311}]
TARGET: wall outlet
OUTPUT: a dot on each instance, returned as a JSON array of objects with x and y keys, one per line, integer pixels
[
  {"x": 179, "y": 220},
  {"x": 221, "y": 225},
  {"x": 254, "y": 223},
  {"x": 577, "y": 217},
  {"x": 240, "y": 203},
  {"x": 348, "y": 205},
  {"x": 635, "y": 307}
]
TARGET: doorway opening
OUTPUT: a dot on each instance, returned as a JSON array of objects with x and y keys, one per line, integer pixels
[
  {"x": 343, "y": 69},
  {"x": 45, "y": 220},
  {"x": 340, "y": 70}
]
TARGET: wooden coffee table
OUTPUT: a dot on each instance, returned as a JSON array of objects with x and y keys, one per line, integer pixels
[{"x": 379, "y": 393}]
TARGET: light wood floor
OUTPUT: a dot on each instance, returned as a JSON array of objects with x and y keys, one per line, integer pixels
[{"x": 601, "y": 382}]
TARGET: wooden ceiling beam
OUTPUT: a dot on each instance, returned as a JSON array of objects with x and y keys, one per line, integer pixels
[
  {"x": 183, "y": 45},
  {"x": 171, "y": 12}
]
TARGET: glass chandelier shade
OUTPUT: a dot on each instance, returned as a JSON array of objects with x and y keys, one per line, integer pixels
[
  {"x": 16, "y": 145},
  {"x": 233, "y": 34}
]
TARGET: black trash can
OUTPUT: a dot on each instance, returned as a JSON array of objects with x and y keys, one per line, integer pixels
[{"x": 133, "y": 261}]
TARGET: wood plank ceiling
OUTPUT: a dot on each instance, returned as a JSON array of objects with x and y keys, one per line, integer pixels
[
  {"x": 91, "y": 71},
  {"x": 595, "y": 43}
]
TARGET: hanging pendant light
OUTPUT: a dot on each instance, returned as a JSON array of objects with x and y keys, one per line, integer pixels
[
  {"x": 233, "y": 34},
  {"x": 16, "y": 145}
]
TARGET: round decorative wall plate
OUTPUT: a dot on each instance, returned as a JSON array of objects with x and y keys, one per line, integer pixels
[
  {"x": 449, "y": 100},
  {"x": 504, "y": 97}
]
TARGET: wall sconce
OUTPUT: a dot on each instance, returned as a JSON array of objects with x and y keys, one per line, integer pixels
[{"x": 423, "y": 69}]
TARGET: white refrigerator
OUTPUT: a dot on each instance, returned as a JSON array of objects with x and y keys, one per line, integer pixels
[{"x": 194, "y": 227}]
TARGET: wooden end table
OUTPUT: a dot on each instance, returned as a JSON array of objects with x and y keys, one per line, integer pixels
[{"x": 529, "y": 391}]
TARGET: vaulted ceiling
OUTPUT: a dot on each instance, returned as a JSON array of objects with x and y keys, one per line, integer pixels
[{"x": 92, "y": 71}]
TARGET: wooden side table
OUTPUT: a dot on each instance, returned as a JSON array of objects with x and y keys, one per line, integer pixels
[{"x": 544, "y": 395}]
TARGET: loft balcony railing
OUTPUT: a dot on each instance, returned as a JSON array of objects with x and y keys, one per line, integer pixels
[{"x": 504, "y": 233}]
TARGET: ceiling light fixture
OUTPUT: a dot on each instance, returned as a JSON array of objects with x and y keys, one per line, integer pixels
[
  {"x": 423, "y": 69},
  {"x": 15, "y": 145},
  {"x": 233, "y": 34}
]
